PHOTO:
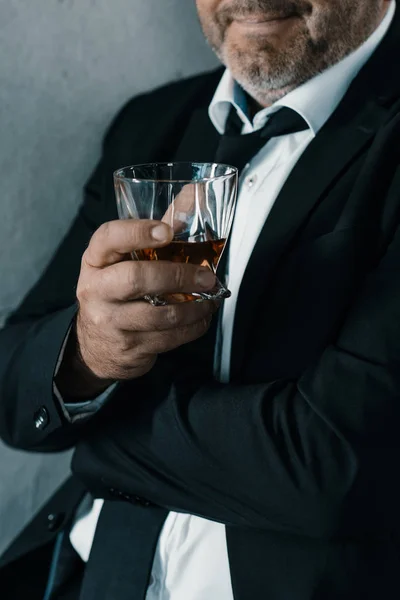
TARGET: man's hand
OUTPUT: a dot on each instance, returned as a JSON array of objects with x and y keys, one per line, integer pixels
[{"x": 118, "y": 335}]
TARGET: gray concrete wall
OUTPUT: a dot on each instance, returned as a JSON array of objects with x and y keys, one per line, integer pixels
[{"x": 66, "y": 67}]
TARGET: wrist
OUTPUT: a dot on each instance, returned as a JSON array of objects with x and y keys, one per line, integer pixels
[{"x": 75, "y": 381}]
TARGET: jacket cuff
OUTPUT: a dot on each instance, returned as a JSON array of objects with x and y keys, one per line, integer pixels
[{"x": 37, "y": 413}]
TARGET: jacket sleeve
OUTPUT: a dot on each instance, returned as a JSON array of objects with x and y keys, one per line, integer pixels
[
  {"x": 30, "y": 416},
  {"x": 317, "y": 456},
  {"x": 33, "y": 337}
]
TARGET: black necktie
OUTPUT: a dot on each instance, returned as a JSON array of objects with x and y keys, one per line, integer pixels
[
  {"x": 237, "y": 150},
  {"x": 123, "y": 551}
]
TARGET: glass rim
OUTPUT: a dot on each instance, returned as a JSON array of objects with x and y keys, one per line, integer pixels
[{"x": 118, "y": 174}]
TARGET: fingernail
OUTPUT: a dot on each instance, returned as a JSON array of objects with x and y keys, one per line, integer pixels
[
  {"x": 205, "y": 279},
  {"x": 160, "y": 233}
]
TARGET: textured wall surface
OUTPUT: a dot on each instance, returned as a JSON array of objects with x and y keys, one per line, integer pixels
[{"x": 66, "y": 67}]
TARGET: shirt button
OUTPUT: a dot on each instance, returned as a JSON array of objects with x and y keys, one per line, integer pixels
[
  {"x": 251, "y": 181},
  {"x": 41, "y": 419}
]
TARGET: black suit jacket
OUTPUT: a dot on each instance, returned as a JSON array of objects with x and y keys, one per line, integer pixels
[{"x": 298, "y": 456}]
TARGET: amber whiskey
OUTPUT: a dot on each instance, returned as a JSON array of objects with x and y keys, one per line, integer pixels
[{"x": 205, "y": 254}]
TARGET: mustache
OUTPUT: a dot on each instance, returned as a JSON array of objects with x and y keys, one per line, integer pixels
[{"x": 278, "y": 8}]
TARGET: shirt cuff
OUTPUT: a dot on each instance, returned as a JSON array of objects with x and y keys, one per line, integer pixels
[{"x": 79, "y": 411}]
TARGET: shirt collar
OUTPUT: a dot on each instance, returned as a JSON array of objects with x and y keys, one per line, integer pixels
[{"x": 315, "y": 100}]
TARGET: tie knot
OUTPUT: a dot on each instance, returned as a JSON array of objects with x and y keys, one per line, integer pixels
[
  {"x": 282, "y": 122},
  {"x": 236, "y": 149}
]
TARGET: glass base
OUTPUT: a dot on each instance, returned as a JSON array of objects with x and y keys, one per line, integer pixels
[{"x": 218, "y": 293}]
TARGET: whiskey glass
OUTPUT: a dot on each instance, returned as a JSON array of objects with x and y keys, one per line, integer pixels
[{"x": 196, "y": 199}]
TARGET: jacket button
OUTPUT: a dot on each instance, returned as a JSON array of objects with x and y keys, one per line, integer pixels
[
  {"x": 142, "y": 501},
  {"x": 55, "y": 521},
  {"x": 41, "y": 419}
]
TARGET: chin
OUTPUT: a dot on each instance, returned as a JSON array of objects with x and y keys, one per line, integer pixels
[{"x": 264, "y": 78}]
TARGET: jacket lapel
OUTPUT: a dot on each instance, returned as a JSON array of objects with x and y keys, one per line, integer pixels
[
  {"x": 200, "y": 140},
  {"x": 335, "y": 146}
]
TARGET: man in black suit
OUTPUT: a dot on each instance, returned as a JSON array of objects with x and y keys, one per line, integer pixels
[{"x": 263, "y": 466}]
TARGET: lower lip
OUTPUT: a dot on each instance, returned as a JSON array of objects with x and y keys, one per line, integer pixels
[{"x": 265, "y": 26}]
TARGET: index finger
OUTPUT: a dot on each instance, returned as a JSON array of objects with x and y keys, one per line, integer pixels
[{"x": 114, "y": 240}]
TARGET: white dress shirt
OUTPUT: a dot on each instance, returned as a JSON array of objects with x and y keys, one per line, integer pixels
[{"x": 191, "y": 559}]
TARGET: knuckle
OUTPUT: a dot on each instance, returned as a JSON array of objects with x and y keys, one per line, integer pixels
[
  {"x": 123, "y": 348},
  {"x": 141, "y": 234},
  {"x": 172, "y": 316},
  {"x": 137, "y": 233},
  {"x": 135, "y": 277},
  {"x": 133, "y": 358},
  {"x": 83, "y": 291},
  {"x": 100, "y": 319},
  {"x": 104, "y": 231},
  {"x": 179, "y": 276}
]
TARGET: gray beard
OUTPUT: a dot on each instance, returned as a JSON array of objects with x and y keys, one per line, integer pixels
[{"x": 270, "y": 75}]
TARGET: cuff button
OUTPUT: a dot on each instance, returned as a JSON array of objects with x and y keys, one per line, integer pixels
[{"x": 41, "y": 419}]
